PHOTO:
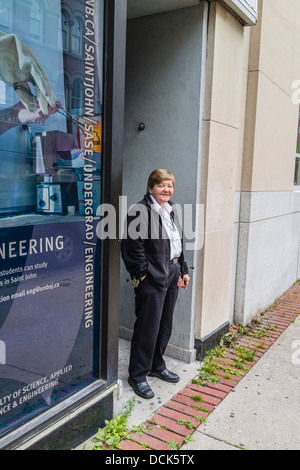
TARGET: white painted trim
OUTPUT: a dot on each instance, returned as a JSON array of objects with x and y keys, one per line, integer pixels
[{"x": 247, "y": 10}]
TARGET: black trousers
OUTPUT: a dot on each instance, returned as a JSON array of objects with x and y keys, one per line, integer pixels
[{"x": 154, "y": 308}]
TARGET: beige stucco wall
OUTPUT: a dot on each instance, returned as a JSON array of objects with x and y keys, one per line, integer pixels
[
  {"x": 270, "y": 139},
  {"x": 252, "y": 212},
  {"x": 226, "y": 82}
]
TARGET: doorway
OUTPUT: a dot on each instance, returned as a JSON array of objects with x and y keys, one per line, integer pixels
[{"x": 164, "y": 92}]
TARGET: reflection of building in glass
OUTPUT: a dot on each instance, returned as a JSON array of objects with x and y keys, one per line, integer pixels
[
  {"x": 55, "y": 37},
  {"x": 5, "y": 12},
  {"x": 2, "y": 353},
  {"x": 297, "y": 166},
  {"x": 298, "y": 134},
  {"x": 72, "y": 19},
  {"x": 70, "y": 39},
  {"x": 36, "y": 20},
  {"x": 42, "y": 174},
  {"x": 43, "y": 21}
]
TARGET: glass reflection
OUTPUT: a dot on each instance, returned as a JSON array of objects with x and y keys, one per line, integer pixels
[{"x": 50, "y": 183}]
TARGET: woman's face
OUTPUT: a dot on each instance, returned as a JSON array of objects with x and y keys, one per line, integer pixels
[{"x": 162, "y": 192}]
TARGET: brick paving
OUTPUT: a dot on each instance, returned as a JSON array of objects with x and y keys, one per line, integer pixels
[{"x": 175, "y": 422}]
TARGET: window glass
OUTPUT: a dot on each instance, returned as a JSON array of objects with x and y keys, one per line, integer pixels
[
  {"x": 77, "y": 95},
  {"x": 63, "y": 31},
  {"x": 50, "y": 184},
  {"x": 35, "y": 20},
  {"x": 297, "y": 165},
  {"x": 297, "y": 171},
  {"x": 77, "y": 36},
  {"x": 5, "y": 12}
]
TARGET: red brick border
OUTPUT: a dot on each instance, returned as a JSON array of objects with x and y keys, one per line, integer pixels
[{"x": 171, "y": 424}]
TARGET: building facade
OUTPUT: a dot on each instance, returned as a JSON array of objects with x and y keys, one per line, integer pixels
[{"x": 214, "y": 84}]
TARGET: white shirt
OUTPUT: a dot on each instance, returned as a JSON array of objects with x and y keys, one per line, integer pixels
[{"x": 169, "y": 226}]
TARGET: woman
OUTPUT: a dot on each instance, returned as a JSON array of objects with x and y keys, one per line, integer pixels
[{"x": 152, "y": 251}]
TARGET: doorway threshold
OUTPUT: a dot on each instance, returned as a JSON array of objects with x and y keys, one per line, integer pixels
[{"x": 163, "y": 391}]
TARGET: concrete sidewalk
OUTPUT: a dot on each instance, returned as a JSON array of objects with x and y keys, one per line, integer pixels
[
  {"x": 259, "y": 411},
  {"x": 262, "y": 411}
]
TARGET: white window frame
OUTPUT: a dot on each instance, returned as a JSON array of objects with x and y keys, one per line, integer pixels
[
  {"x": 63, "y": 33},
  {"x": 36, "y": 16},
  {"x": 5, "y": 7},
  {"x": 77, "y": 30}
]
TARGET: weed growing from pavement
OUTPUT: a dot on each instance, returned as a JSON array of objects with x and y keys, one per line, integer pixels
[
  {"x": 197, "y": 398},
  {"x": 188, "y": 439},
  {"x": 173, "y": 445},
  {"x": 199, "y": 408},
  {"x": 216, "y": 360},
  {"x": 115, "y": 430},
  {"x": 187, "y": 423}
]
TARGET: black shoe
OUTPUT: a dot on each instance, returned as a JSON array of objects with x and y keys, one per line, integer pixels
[
  {"x": 166, "y": 375},
  {"x": 142, "y": 389}
]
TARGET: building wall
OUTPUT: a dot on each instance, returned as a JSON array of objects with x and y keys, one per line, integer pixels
[
  {"x": 238, "y": 162},
  {"x": 269, "y": 230},
  {"x": 227, "y": 56},
  {"x": 164, "y": 82},
  {"x": 252, "y": 209}
]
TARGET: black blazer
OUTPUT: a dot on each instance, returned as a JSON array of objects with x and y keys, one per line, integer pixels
[{"x": 145, "y": 246}]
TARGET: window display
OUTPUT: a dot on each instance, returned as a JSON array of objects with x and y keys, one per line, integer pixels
[{"x": 50, "y": 187}]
